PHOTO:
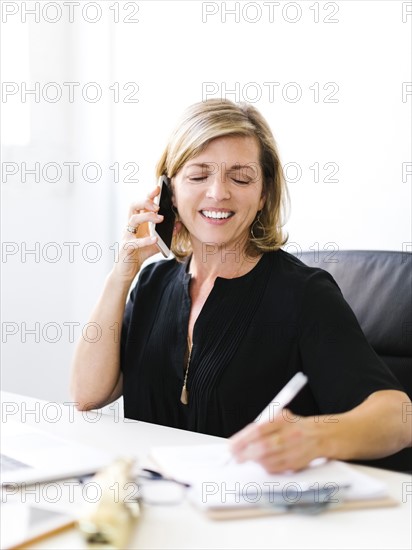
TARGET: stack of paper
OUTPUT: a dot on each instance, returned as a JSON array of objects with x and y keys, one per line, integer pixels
[{"x": 220, "y": 483}]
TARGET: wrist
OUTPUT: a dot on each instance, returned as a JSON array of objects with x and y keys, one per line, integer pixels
[
  {"x": 335, "y": 441},
  {"x": 118, "y": 283}
]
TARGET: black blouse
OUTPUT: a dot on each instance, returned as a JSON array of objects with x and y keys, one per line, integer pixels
[{"x": 252, "y": 335}]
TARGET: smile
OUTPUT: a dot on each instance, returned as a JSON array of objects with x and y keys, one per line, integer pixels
[{"x": 216, "y": 214}]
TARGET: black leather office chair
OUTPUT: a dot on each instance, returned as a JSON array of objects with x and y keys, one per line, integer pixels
[{"x": 378, "y": 287}]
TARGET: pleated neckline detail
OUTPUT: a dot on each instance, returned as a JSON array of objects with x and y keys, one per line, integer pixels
[{"x": 218, "y": 332}]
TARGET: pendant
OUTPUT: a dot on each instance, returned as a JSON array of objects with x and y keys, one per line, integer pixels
[{"x": 184, "y": 397}]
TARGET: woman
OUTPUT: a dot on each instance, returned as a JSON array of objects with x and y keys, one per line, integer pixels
[{"x": 210, "y": 337}]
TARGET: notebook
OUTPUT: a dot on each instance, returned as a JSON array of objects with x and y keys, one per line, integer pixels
[
  {"x": 21, "y": 523},
  {"x": 223, "y": 488},
  {"x": 30, "y": 455}
]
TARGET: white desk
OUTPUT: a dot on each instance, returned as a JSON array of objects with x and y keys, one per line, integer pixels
[{"x": 182, "y": 526}]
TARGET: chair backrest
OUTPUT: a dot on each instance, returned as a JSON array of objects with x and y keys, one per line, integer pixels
[{"x": 378, "y": 287}]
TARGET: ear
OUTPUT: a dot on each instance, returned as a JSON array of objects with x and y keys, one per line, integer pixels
[
  {"x": 177, "y": 227},
  {"x": 262, "y": 201}
]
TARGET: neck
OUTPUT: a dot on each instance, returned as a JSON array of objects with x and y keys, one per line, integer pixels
[{"x": 210, "y": 261}]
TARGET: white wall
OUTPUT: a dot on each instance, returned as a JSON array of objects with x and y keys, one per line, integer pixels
[{"x": 173, "y": 53}]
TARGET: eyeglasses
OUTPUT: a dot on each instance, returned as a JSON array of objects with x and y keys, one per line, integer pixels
[{"x": 154, "y": 488}]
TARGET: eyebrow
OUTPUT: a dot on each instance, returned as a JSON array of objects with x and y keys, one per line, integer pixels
[{"x": 236, "y": 166}]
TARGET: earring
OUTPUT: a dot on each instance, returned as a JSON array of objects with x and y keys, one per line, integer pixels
[{"x": 260, "y": 226}]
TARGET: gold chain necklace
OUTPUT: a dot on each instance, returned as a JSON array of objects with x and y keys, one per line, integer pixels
[{"x": 184, "y": 396}]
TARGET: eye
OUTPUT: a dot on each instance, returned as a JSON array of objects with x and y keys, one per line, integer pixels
[
  {"x": 241, "y": 182},
  {"x": 197, "y": 179}
]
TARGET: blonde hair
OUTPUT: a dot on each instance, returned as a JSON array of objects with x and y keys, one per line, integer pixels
[{"x": 208, "y": 120}]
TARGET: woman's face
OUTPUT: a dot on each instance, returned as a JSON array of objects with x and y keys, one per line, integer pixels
[{"x": 219, "y": 192}]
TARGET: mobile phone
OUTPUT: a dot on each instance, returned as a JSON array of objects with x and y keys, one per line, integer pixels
[{"x": 164, "y": 230}]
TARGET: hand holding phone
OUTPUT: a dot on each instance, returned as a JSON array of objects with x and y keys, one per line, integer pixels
[{"x": 164, "y": 229}]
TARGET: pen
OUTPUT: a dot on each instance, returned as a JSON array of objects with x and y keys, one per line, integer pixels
[{"x": 284, "y": 397}]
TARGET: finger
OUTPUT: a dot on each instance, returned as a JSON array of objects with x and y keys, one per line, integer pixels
[
  {"x": 246, "y": 436},
  {"x": 132, "y": 246},
  {"x": 137, "y": 219},
  {"x": 147, "y": 241},
  {"x": 146, "y": 204},
  {"x": 154, "y": 192},
  {"x": 288, "y": 458},
  {"x": 255, "y": 431},
  {"x": 138, "y": 224},
  {"x": 289, "y": 448},
  {"x": 142, "y": 206},
  {"x": 147, "y": 246},
  {"x": 150, "y": 198},
  {"x": 280, "y": 462},
  {"x": 131, "y": 229},
  {"x": 262, "y": 448}
]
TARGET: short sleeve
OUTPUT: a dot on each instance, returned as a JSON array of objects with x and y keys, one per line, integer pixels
[
  {"x": 140, "y": 288},
  {"x": 127, "y": 316},
  {"x": 140, "y": 307},
  {"x": 343, "y": 368}
]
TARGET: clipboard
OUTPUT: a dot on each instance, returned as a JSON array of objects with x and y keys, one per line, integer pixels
[
  {"x": 214, "y": 485},
  {"x": 250, "y": 513}
]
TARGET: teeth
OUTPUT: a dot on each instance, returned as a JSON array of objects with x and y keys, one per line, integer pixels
[{"x": 215, "y": 215}]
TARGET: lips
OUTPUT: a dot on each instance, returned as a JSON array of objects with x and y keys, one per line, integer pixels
[{"x": 217, "y": 214}]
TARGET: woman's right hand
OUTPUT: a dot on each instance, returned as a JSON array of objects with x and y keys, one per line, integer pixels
[
  {"x": 135, "y": 248},
  {"x": 96, "y": 378}
]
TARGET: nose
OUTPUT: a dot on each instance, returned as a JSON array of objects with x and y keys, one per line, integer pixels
[{"x": 218, "y": 188}]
